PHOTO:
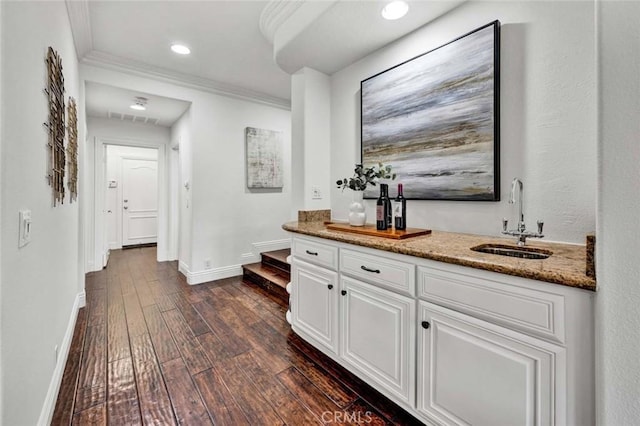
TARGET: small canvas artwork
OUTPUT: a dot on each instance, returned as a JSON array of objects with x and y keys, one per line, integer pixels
[
  {"x": 435, "y": 119},
  {"x": 264, "y": 158}
]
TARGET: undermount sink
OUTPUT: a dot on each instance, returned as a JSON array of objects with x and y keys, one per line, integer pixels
[{"x": 513, "y": 251}]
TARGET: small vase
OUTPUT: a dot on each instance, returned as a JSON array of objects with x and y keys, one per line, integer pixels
[{"x": 357, "y": 213}]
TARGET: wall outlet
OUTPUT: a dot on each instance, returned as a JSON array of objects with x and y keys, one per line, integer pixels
[
  {"x": 316, "y": 194},
  {"x": 207, "y": 264}
]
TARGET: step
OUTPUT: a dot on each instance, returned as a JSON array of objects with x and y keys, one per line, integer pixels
[
  {"x": 277, "y": 258},
  {"x": 273, "y": 279}
]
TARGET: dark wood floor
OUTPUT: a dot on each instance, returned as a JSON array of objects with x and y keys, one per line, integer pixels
[{"x": 150, "y": 349}]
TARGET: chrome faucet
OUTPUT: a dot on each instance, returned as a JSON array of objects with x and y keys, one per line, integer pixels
[{"x": 521, "y": 230}]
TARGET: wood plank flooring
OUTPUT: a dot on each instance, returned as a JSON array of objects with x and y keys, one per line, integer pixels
[{"x": 150, "y": 349}]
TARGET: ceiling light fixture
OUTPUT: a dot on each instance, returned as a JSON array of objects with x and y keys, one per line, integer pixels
[
  {"x": 395, "y": 10},
  {"x": 139, "y": 103},
  {"x": 180, "y": 49}
]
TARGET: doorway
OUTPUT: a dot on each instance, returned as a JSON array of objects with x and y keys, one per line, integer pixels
[
  {"x": 110, "y": 216},
  {"x": 131, "y": 197}
]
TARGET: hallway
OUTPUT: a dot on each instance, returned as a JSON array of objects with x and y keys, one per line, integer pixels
[{"x": 150, "y": 349}]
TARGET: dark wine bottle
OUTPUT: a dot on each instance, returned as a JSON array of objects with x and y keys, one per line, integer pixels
[
  {"x": 400, "y": 210},
  {"x": 382, "y": 221},
  {"x": 388, "y": 208}
]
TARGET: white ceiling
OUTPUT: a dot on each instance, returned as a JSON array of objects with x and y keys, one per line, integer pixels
[
  {"x": 350, "y": 30},
  {"x": 113, "y": 102},
  {"x": 224, "y": 36},
  {"x": 239, "y": 47}
]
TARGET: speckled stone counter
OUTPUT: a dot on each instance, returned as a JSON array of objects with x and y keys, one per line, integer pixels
[{"x": 566, "y": 266}]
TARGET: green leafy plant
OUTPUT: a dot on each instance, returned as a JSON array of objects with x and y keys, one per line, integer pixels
[{"x": 366, "y": 176}]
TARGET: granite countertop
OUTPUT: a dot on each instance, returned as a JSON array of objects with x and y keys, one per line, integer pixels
[{"x": 566, "y": 266}]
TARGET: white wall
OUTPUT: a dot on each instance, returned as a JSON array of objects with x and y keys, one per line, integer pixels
[
  {"x": 618, "y": 243},
  {"x": 229, "y": 223},
  {"x": 39, "y": 282},
  {"x": 115, "y": 131},
  {"x": 113, "y": 217},
  {"x": 1, "y": 183},
  {"x": 181, "y": 187},
  {"x": 227, "y": 218},
  {"x": 548, "y": 116}
]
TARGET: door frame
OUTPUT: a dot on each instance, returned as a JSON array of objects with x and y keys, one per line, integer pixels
[
  {"x": 101, "y": 249},
  {"x": 119, "y": 198}
]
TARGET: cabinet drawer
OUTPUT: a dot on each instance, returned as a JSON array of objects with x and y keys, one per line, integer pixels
[
  {"x": 392, "y": 274},
  {"x": 318, "y": 253},
  {"x": 497, "y": 299}
]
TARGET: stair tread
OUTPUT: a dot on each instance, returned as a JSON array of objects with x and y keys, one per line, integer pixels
[
  {"x": 274, "y": 275},
  {"x": 280, "y": 255}
]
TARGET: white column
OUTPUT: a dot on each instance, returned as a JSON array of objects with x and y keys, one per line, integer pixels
[{"x": 311, "y": 137}]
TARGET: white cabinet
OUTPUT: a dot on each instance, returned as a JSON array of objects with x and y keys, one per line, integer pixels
[
  {"x": 314, "y": 304},
  {"x": 378, "y": 335},
  {"x": 498, "y": 350},
  {"x": 471, "y": 372}
]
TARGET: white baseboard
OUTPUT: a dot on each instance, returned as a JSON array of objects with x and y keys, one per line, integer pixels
[
  {"x": 257, "y": 248},
  {"x": 183, "y": 268},
  {"x": 165, "y": 256},
  {"x": 271, "y": 245},
  {"x": 200, "y": 277},
  {"x": 246, "y": 258},
  {"x": 46, "y": 414}
]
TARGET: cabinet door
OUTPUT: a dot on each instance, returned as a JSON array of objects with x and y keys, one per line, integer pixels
[
  {"x": 471, "y": 372},
  {"x": 314, "y": 304},
  {"x": 378, "y": 336}
]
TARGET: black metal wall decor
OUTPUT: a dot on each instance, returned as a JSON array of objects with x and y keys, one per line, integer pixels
[
  {"x": 72, "y": 149},
  {"x": 55, "y": 125}
]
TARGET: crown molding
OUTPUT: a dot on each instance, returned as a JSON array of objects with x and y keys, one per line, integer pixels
[
  {"x": 274, "y": 14},
  {"x": 129, "y": 66},
  {"x": 78, "y": 12}
]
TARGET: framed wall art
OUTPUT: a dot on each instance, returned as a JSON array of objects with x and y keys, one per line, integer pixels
[
  {"x": 264, "y": 158},
  {"x": 435, "y": 119}
]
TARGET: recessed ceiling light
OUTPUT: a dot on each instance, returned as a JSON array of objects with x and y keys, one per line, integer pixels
[
  {"x": 139, "y": 103},
  {"x": 180, "y": 49},
  {"x": 395, "y": 10}
]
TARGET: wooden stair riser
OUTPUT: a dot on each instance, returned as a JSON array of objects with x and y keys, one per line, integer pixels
[
  {"x": 267, "y": 284},
  {"x": 275, "y": 262}
]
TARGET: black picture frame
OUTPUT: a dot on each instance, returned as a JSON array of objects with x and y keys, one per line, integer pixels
[{"x": 436, "y": 119}]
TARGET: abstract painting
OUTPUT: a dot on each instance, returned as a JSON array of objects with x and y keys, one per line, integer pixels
[
  {"x": 435, "y": 119},
  {"x": 264, "y": 158}
]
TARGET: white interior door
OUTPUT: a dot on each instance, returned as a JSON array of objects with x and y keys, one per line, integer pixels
[{"x": 139, "y": 201}]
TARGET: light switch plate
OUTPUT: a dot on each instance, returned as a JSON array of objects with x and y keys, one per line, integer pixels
[{"x": 25, "y": 228}]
